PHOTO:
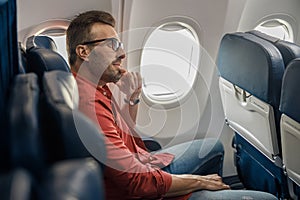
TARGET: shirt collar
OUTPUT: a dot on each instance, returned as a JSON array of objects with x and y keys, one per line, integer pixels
[{"x": 103, "y": 90}]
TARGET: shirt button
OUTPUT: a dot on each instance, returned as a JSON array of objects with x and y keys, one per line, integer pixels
[{"x": 150, "y": 158}]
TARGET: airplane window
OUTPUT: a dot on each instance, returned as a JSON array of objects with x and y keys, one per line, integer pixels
[
  {"x": 169, "y": 62},
  {"x": 277, "y": 28}
]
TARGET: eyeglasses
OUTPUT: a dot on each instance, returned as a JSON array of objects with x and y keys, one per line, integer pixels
[{"x": 114, "y": 43}]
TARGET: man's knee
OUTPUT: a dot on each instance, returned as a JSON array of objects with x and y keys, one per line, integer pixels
[{"x": 211, "y": 146}]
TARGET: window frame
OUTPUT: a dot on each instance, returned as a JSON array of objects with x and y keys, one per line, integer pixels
[
  {"x": 288, "y": 21},
  {"x": 196, "y": 31}
]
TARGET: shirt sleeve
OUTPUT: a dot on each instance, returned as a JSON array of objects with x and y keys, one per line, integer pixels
[
  {"x": 126, "y": 170},
  {"x": 123, "y": 168}
]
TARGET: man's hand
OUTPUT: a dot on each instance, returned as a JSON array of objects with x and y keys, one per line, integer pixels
[
  {"x": 131, "y": 85},
  {"x": 213, "y": 182},
  {"x": 187, "y": 183},
  {"x": 208, "y": 182}
]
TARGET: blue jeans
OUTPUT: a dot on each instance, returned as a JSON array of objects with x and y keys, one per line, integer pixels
[
  {"x": 204, "y": 157},
  {"x": 200, "y": 157}
]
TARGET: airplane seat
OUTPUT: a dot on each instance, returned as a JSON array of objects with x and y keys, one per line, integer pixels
[
  {"x": 14, "y": 183},
  {"x": 74, "y": 134},
  {"x": 250, "y": 76},
  {"x": 68, "y": 133},
  {"x": 60, "y": 117},
  {"x": 71, "y": 179},
  {"x": 26, "y": 149},
  {"x": 40, "y": 49},
  {"x": 40, "y": 41},
  {"x": 288, "y": 50},
  {"x": 17, "y": 185},
  {"x": 58, "y": 179},
  {"x": 290, "y": 125}
]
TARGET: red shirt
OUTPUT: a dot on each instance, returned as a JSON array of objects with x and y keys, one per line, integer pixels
[{"x": 131, "y": 172}]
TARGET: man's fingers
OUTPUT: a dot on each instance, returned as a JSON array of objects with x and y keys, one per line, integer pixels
[
  {"x": 215, "y": 185},
  {"x": 213, "y": 177},
  {"x": 131, "y": 84}
]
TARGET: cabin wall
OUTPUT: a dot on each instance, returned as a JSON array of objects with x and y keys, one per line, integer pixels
[
  {"x": 201, "y": 116},
  {"x": 34, "y": 12}
]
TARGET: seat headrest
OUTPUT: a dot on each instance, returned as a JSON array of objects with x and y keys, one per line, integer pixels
[
  {"x": 40, "y": 60},
  {"x": 288, "y": 50},
  {"x": 290, "y": 95},
  {"x": 253, "y": 64},
  {"x": 62, "y": 88},
  {"x": 73, "y": 134},
  {"x": 40, "y": 41},
  {"x": 264, "y": 36},
  {"x": 42, "y": 56}
]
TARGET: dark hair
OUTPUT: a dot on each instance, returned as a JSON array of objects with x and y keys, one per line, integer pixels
[{"x": 80, "y": 27}]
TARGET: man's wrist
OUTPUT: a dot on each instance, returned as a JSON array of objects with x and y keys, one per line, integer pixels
[{"x": 132, "y": 102}]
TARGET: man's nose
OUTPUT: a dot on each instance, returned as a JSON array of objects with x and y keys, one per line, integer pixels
[{"x": 121, "y": 53}]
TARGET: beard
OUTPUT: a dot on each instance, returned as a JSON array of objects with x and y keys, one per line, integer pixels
[
  {"x": 117, "y": 77},
  {"x": 111, "y": 76}
]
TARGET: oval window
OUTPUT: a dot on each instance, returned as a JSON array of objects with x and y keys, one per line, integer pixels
[
  {"x": 277, "y": 28},
  {"x": 169, "y": 62}
]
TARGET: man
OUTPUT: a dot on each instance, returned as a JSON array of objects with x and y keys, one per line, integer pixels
[{"x": 95, "y": 57}]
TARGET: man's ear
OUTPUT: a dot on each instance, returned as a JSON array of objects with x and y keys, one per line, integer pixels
[{"x": 83, "y": 52}]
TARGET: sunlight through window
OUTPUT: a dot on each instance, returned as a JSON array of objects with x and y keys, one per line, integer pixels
[{"x": 169, "y": 62}]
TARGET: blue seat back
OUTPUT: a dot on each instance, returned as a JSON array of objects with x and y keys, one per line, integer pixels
[
  {"x": 252, "y": 64},
  {"x": 288, "y": 50},
  {"x": 42, "y": 56},
  {"x": 74, "y": 134},
  {"x": 31, "y": 148},
  {"x": 251, "y": 71},
  {"x": 290, "y": 125},
  {"x": 24, "y": 123},
  {"x": 61, "y": 120},
  {"x": 40, "y": 41},
  {"x": 290, "y": 96}
]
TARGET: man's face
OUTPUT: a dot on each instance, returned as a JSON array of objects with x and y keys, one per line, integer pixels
[{"x": 105, "y": 59}]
